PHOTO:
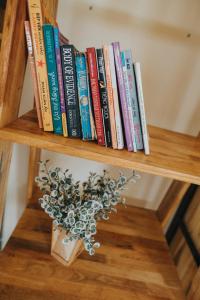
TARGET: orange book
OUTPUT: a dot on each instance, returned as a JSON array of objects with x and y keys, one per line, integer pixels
[
  {"x": 33, "y": 71},
  {"x": 110, "y": 97},
  {"x": 36, "y": 21}
]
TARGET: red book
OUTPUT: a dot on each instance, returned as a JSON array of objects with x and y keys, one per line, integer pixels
[{"x": 93, "y": 75}]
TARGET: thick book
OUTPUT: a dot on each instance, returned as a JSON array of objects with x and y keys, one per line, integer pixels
[
  {"x": 141, "y": 107},
  {"x": 128, "y": 101},
  {"x": 60, "y": 81},
  {"x": 104, "y": 97},
  {"x": 52, "y": 77},
  {"x": 93, "y": 76},
  {"x": 118, "y": 121},
  {"x": 84, "y": 103},
  {"x": 122, "y": 93},
  {"x": 33, "y": 71},
  {"x": 110, "y": 97},
  {"x": 36, "y": 21},
  {"x": 71, "y": 91},
  {"x": 134, "y": 102}
]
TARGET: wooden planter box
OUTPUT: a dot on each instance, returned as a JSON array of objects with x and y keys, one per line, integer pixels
[{"x": 65, "y": 254}]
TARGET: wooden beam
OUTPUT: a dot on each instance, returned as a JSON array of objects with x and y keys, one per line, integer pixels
[
  {"x": 194, "y": 291},
  {"x": 13, "y": 59},
  {"x": 171, "y": 201},
  {"x": 34, "y": 158},
  {"x": 12, "y": 70}
]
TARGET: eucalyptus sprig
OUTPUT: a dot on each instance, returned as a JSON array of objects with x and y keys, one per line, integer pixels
[{"x": 75, "y": 206}]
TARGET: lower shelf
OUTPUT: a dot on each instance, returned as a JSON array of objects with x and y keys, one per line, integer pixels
[
  {"x": 173, "y": 155},
  {"x": 132, "y": 263}
]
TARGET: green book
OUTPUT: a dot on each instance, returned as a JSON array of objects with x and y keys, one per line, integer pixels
[{"x": 52, "y": 77}]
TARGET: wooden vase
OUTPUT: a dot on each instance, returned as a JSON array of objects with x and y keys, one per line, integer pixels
[{"x": 64, "y": 253}]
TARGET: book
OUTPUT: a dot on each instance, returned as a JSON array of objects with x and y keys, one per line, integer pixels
[
  {"x": 82, "y": 82},
  {"x": 128, "y": 100},
  {"x": 71, "y": 91},
  {"x": 52, "y": 77},
  {"x": 93, "y": 76},
  {"x": 60, "y": 81},
  {"x": 134, "y": 102},
  {"x": 33, "y": 71},
  {"x": 36, "y": 21},
  {"x": 122, "y": 93},
  {"x": 118, "y": 122},
  {"x": 141, "y": 107},
  {"x": 110, "y": 96},
  {"x": 104, "y": 97}
]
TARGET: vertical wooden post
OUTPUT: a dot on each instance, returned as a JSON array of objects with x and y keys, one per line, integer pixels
[
  {"x": 12, "y": 69},
  {"x": 34, "y": 158},
  {"x": 13, "y": 59}
]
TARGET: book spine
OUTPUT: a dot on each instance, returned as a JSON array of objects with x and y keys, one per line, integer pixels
[
  {"x": 70, "y": 91},
  {"x": 141, "y": 107},
  {"x": 122, "y": 93},
  {"x": 93, "y": 75},
  {"x": 134, "y": 102},
  {"x": 60, "y": 81},
  {"x": 110, "y": 97},
  {"x": 82, "y": 82},
  {"x": 92, "y": 122},
  {"x": 128, "y": 100},
  {"x": 52, "y": 77},
  {"x": 36, "y": 21},
  {"x": 104, "y": 96},
  {"x": 33, "y": 71},
  {"x": 118, "y": 122}
]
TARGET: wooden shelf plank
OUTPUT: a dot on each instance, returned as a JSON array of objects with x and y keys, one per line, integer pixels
[{"x": 173, "y": 155}]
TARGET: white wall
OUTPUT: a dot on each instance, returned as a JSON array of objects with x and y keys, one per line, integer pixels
[{"x": 165, "y": 38}]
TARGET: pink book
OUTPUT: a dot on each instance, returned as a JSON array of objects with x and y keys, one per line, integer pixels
[
  {"x": 33, "y": 72},
  {"x": 122, "y": 94}
]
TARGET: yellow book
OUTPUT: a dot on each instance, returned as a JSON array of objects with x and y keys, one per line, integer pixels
[{"x": 36, "y": 21}]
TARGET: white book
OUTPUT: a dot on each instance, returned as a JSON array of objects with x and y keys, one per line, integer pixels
[
  {"x": 118, "y": 121},
  {"x": 141, "y": 107},
  {"x": 129, "y": 101}
]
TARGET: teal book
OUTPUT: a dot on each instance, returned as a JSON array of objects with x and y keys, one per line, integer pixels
[{"x": 52, "y": 77}]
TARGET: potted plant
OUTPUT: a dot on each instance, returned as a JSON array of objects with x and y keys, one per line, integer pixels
[{"x": 77, "y": 207}]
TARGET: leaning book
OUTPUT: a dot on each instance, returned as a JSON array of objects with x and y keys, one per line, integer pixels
[
  {"x": 141, "y": 107},
  {"x": 36, "y": 21}
]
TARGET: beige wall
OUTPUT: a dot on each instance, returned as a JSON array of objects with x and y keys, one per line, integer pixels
[{"x": 165, "y": 38}]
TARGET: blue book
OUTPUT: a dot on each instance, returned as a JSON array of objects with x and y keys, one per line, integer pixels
[
  {"x": 84, "y": 101},
  {"x": 134, "y": 99},
  {"x": 52, "y": 77}
]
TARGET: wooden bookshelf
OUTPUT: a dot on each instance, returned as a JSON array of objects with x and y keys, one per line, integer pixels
[{"x": 173, "y": 155}]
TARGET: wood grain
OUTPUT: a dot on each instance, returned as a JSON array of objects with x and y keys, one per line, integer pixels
[
  {"x": 13, "y": 59},
  {"x": 34, "y": 158},
  {"x": 12, "y": 68},
  {"x": 173, "y": 155},
  {"x": 171, "y": 201},
  {"x": 194, "y": 292},
  {"x": 184, "y": 261},
  {"x": 131, "y": 264},
  {"x": 192, "y": 218}
]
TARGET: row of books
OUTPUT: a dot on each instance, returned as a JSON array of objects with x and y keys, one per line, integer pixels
[{"x": 91, "y": 95}]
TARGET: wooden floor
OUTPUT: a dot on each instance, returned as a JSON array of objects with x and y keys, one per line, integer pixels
[{"x": 133, "y": 262}]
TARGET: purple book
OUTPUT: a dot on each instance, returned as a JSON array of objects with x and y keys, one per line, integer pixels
[
  {"x": 60, "y": 81},
  {"x": 122, "y": 93}
]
